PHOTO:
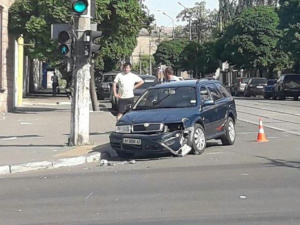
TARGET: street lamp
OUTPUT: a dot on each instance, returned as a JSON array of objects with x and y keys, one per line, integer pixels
[
  {"x": 190, "y": 22},
  {"x": 171, "y": 19}
]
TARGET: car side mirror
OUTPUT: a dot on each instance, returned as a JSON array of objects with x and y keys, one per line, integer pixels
[{"x": 208, "y": 102}]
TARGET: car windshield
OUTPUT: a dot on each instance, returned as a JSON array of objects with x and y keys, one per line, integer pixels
[
  {"x": 179, "y": 97},
  {"x": 109, "y": 78},
  {"x": 245, "y": 80}
]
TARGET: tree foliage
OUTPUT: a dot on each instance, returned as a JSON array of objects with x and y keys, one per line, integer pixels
[
  {"x": 251, "y": 40},
  {"x": 120, "y": 21},
  {"x": 169, "y": 53},
  {"x": 289, "y": 14},
  {"x": 200, "y": 58},
  {"x": 203, "y": 22}
]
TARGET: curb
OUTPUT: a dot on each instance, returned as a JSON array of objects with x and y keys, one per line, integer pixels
[{"x": 66, "y": 162}]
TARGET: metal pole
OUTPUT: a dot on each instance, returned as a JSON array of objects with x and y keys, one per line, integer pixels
[
  {"x": 173, "y": 29},
  {"x": 80, "y": 117}
]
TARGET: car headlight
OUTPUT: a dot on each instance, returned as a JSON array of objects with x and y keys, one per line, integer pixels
[{"x": 126, "y": 129}]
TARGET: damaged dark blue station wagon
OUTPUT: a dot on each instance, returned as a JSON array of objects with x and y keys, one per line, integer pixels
[{"x": 179, "y": 117}]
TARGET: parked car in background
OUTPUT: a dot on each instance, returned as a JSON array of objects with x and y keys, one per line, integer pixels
[
  {"x": 255, "y": 86},
  {"x": 288, "y": 85},
  {"x": 104, "y": 88},
  {"x": 177, "y": 117},
  {"x": 238, "y": 86},
  {"x": 149, "y": 81},
  {"x": 269, "y": 88}
]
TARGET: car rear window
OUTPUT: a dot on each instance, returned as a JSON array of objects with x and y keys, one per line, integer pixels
[
  {"x": 109, "y": 78},
  {"x": 292, "y": 78},
  {"x": 271, "y": 82},
  {"x": 259, "y": 81}
]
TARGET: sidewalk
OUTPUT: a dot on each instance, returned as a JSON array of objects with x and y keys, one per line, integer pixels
[{"x": 35, "y": 136}]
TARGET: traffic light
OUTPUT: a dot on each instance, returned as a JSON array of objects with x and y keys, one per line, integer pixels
[
  {"x": 65, "y": 43},
  {"x": 80, "y": 7},
  {"x": 90, "y": 36}
]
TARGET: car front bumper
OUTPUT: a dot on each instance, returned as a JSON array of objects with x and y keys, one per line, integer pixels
[{"x": 164, "y": 142}]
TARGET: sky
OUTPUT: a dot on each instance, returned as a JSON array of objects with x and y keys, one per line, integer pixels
[{"x": 172, "y": 9}]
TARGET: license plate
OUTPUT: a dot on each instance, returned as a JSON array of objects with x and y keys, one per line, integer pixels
[
  {"x": 260, "y": 86},
  {"x": 132, "y": 141}
]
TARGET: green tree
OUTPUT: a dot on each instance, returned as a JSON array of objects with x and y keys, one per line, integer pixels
[
  {"x": 250, "y": 42},
  {"x": 203, "y": 22},
  {"x": 169, "y": 53},
  {"x": 120, "y": 21},
  {"x": 289, "y": 14},
  {"x": 201, "y": 59}
]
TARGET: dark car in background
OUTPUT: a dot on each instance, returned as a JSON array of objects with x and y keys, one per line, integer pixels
[
  {"x": 238, "y": 86},
  {"x": 255, "y": 86},
  {"x": 104, "y": 88},
  {"x": 288, "y": 85},
  {"x": 269, "y": 88},
  {"x": 177, "y": 117},
  {"x": 149, "y": 81}
]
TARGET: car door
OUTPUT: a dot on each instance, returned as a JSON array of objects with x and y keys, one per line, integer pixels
[
  {"x": 208, "y": 112},
  {"x": 220, "y": 106}
]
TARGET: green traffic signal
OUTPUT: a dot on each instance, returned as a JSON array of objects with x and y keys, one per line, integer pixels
[
  {"x": 80, "y": 6},
  {"x": 63, "y": 49}
]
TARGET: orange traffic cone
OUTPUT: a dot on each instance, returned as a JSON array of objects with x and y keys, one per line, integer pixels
[{"x": 261, "y": 137}]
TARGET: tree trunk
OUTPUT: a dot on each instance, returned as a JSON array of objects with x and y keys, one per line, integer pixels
[{"x": 95, "y": 103}]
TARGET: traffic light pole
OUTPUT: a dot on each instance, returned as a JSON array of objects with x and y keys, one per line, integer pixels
[{"x": 79, "y": 121}]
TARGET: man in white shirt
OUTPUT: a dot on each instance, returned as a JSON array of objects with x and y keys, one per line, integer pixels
[
  {"x": 126, "y": 82},
  {"x": 169, "y": 75}
]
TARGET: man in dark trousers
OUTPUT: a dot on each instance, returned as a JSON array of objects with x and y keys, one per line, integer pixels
[{"x": 54, "y": 79}]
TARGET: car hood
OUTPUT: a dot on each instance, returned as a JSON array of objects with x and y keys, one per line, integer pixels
[{"x": 157, "y": 116}]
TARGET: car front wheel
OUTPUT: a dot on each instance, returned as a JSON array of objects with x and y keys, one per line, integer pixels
[
  {"x": 199, "y": 140},
  {"x": 229, "y": 136}
]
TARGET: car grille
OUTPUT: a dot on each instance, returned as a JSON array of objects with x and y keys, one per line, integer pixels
[{"x": 147, "y": 128}]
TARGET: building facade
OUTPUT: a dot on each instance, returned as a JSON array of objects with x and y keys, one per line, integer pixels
[{"x": 7, "y": 47}]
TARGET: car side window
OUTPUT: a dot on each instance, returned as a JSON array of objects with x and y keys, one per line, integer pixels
[
  {"x": 216, "y": 95},
  {"x": 222, "y": 90},
  {"x": 204, "y": 94}
]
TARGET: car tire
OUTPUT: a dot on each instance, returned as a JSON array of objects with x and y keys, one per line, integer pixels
[
  {"x": 199, "y": 140},
  {"x": 267, "y": 96},
  {"x": 296, "y": 98},
  {"x": 124, "y": 155},
  {"x": 246, "y": 94},
  {"x": 229, "y": 136},
  {"x": 281, "y": 96}
]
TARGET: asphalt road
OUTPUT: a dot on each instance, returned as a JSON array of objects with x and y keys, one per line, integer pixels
[{"x": 247, "y": 183}]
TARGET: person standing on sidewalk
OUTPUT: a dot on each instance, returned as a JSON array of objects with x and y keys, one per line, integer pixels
[
  {"x": 126, "y": 82},
  {"x": 54, "y": 79},
  {"x": 169, "y": 75}
]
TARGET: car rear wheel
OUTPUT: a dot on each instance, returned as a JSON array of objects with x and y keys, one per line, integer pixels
[
  {"x": 246, "y": 94},
  {"x": 281, "y": 96},
  {"x": 124, "y": 155},
  {"x": 229, "y": 137},
  {"x": 295, "y": 98},
  {"x": 199, "y": 140}
]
